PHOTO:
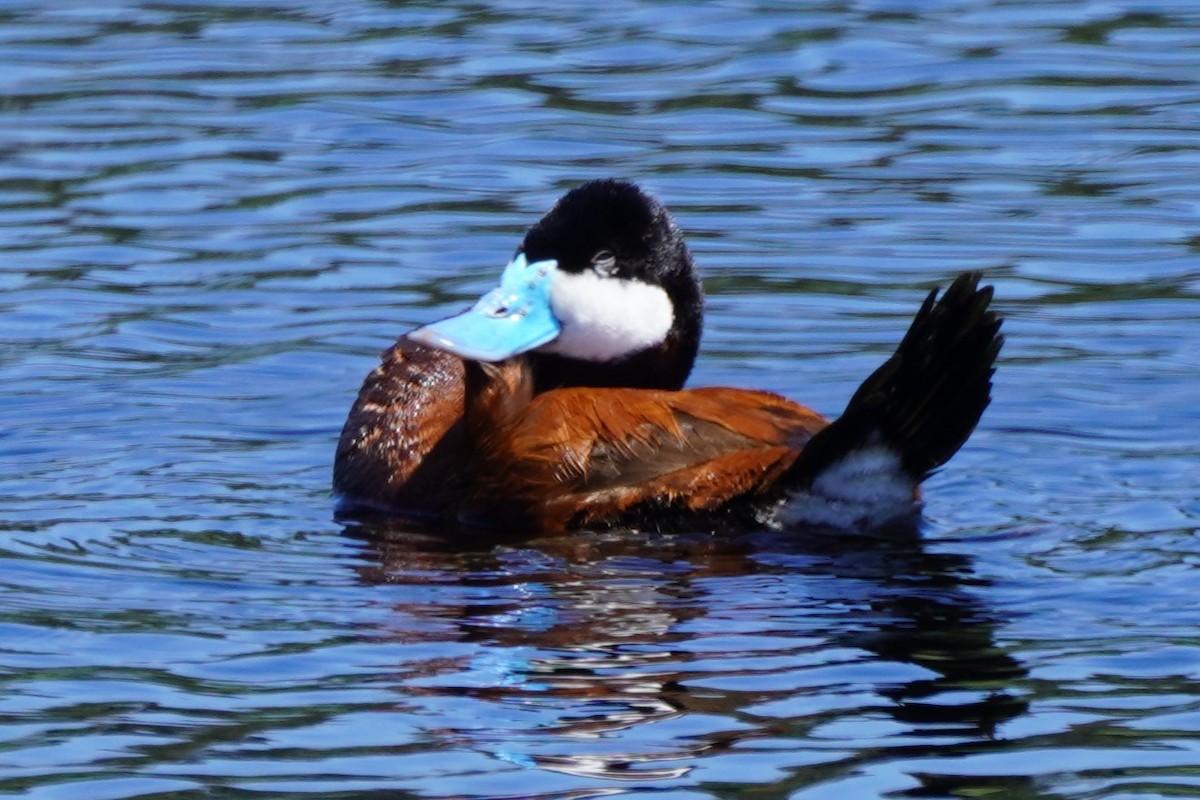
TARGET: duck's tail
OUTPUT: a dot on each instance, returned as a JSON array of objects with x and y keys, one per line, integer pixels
[{"x": 910, "y": 416}]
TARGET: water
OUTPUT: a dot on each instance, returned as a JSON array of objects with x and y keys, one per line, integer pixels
[{"x": 214, "y": 215}]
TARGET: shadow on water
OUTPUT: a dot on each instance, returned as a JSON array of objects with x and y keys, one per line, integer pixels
[{"x": 681, "y": 649}]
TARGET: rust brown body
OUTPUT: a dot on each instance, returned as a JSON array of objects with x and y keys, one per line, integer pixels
[
  {"x": 432, "y": 434},
  {"x": 567, "y": 458},
  {"x": 584, "y": 457}
]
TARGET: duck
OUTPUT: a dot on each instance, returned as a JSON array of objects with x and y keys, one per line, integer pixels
[{"x": 557, "y": 402}]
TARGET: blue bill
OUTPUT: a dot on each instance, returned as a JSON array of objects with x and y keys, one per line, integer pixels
[{"x": 513, "y": 318}]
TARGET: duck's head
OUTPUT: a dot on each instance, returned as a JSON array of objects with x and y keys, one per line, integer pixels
[{"x": 601, "y": 292}]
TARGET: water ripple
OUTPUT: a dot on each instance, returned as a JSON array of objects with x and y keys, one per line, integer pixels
[{"x": 214, "y": 216}]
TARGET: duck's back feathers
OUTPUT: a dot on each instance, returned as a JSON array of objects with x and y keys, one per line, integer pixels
[{"x": 600, "y": 458}]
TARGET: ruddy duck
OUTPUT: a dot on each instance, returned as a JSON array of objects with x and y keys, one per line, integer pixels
[{"x": 556, "y": 402}]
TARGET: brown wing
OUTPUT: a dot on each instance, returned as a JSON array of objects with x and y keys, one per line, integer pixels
[
  {"x": 402, "y": 446},
  {"x": 600, "y": 457}
]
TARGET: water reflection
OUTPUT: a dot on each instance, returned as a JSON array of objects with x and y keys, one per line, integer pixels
[{"x": 629, "y": 656}]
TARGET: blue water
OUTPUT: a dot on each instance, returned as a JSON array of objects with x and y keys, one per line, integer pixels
[{"x": 215, "y": 215}]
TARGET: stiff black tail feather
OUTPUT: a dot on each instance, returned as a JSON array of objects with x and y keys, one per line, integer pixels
[{"x": 925, "y": 400}]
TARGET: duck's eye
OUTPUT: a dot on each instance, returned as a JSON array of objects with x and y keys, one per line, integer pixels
[{"x": 604, "y": 263}]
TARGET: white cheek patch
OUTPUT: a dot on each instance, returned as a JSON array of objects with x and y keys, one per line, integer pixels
[{"x": 604, "y": 319}]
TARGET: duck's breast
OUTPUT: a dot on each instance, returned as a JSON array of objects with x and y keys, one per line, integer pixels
[{"x": 402, "y": 446}]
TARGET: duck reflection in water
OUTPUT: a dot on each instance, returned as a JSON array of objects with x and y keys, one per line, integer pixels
[{"x": 793, "y": 646}]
